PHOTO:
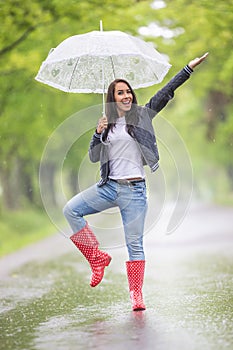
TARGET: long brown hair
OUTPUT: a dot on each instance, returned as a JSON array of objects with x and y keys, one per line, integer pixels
[{"x": 131, "y": 117}]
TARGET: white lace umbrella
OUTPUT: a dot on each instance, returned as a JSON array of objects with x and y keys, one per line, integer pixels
[{"x": 88, "y": 63}]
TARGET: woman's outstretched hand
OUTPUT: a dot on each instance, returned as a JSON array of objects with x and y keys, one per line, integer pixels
[
  {"x": 102, "y": 124},
  {"x": 192, "y": 64}
]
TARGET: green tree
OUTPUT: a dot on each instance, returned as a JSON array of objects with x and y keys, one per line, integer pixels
[
  {"x": 194, "y": 28},
  {"x": 29, "y": 112}
]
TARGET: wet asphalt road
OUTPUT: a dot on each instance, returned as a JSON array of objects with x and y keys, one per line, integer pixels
[{"x": 46, "y": 301}]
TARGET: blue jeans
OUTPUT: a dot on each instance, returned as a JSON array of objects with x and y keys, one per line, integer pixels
[{"x": 132, "y": 202}]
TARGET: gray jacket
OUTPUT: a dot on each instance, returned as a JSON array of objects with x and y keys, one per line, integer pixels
[{"x": 143, "y": 132}]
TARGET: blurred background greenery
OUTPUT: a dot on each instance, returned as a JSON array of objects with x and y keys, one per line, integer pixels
[{"x": 202, "y": 111}]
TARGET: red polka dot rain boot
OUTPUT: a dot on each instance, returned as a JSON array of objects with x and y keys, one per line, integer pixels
[
  {"x": 135, "y": 271},
  {"x": 87, "y": 243}
]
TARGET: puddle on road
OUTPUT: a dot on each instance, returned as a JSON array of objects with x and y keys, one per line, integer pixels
[
  {"x": 51, "y": 306},
  {"x": 195, "y": 293}
]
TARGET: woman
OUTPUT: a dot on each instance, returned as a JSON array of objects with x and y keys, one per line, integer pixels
[{"x": 124, "y": 141}]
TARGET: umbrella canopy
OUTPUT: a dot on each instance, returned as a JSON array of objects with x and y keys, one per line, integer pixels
[{"x": 88, "y": 63}]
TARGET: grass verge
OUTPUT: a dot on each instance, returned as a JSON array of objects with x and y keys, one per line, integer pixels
[{"x": 20, "y": 228}]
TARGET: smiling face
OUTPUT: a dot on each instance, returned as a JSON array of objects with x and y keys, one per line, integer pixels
[{"x": 123, "y": 98}]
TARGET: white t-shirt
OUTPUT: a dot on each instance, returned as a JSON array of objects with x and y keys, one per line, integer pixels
[{"x": 124, "y": 154}]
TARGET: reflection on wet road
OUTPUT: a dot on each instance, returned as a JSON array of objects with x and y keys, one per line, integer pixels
[{"x": 187, "y": 290}]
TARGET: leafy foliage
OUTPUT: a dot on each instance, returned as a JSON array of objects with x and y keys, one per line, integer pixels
[
  {"x": 202, "y": 26},
  {"x": 29, "y": 112}
]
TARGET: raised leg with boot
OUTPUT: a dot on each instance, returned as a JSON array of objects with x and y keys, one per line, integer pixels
[{"x": 88, "y": 245}]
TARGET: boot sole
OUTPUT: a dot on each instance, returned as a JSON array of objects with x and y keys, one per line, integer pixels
[
  {"x": 108, "y": 261},
  {"x": 139, "y": 309}
]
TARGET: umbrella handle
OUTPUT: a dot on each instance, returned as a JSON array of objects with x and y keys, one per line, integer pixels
[{"x": 103, "y": 112}]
